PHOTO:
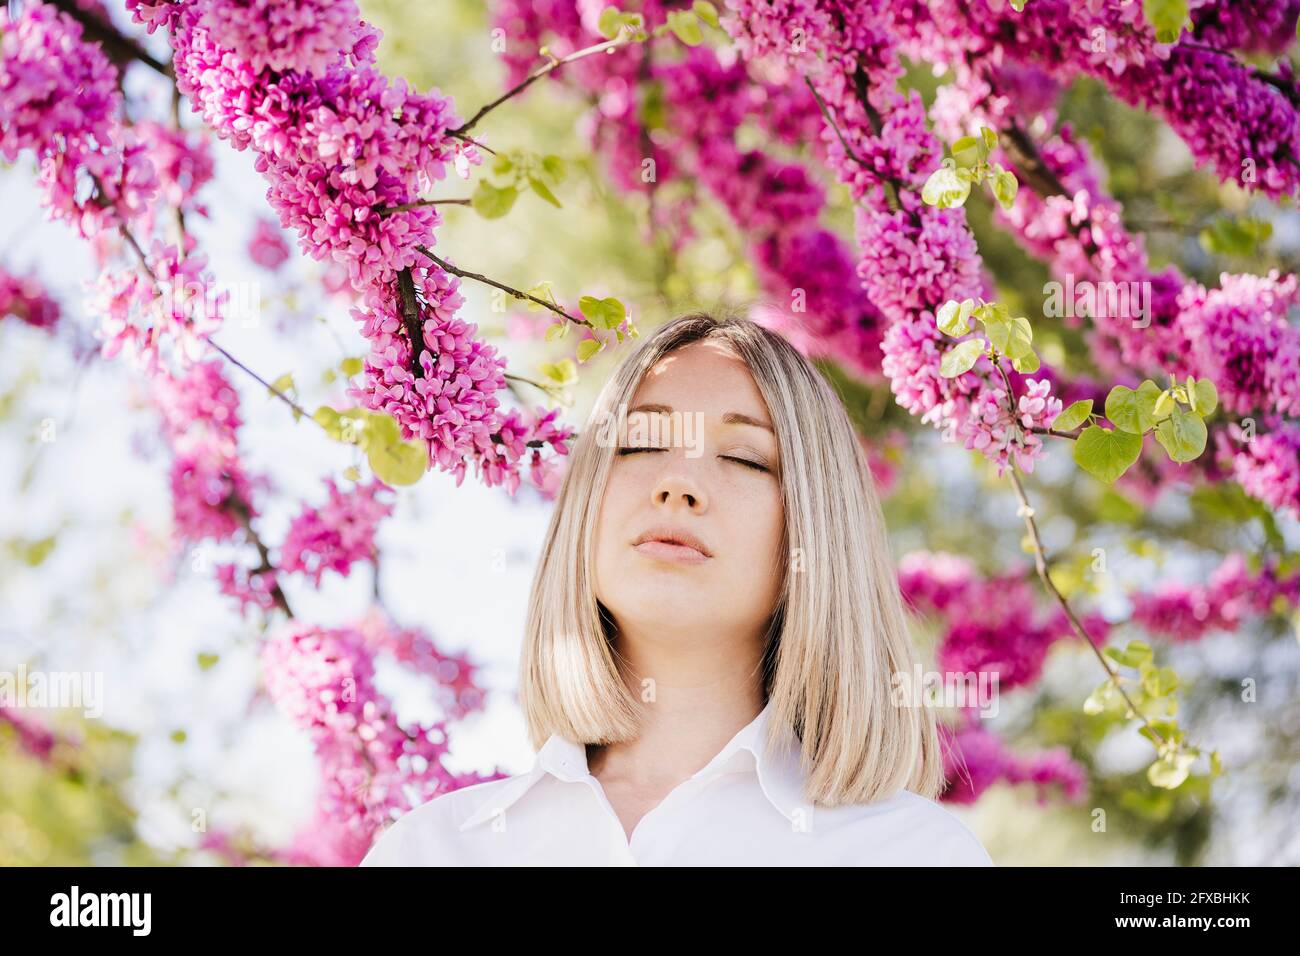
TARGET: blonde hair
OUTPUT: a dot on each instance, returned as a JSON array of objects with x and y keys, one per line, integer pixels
[{"x": 839, "y": 630}]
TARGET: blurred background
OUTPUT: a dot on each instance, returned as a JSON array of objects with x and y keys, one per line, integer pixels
[{"x": 89, "y": 579}]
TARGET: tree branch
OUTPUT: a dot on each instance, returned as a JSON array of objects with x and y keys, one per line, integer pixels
[
  {"x": 623, "y": 39},
  {"x": 119, "y": 47},
  {"x": 448, "y": 267}
]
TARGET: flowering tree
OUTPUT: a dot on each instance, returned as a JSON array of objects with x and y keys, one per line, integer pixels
[{"x": 1150, "y": 378}]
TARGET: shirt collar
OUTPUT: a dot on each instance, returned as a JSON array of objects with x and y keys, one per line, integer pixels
[{"x": 779, "y": 774}]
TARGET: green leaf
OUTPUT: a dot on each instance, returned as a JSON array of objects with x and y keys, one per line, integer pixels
[
  {"x": 1005, "y": 187},
  {"x": 544, "y": 191},
  {"x": 954, "y": 317},
  {"x": 33, "y": 552},
  {"x": 1105, "y": 697},
  {"x": 352, "y": 473},
  {"x": 503, "y": 164},
  {"x": 351, "y": 366},
  {"x": 686, "y": 27},
  {"x": 553, "y": 169},
  {"x": 1164, "y": 405},
  {"x": 1205, "y": 397},
  {"x": 707, "y": 12},
  {"x": 1026, "y": 363},
  {"x": 589, "y": 347},
  {"x": 542, "y": 291},
  {"x": 283, "y": 384},
  {"x": 493, "y": 202},
  {"x": 968, "y": 151},
  {"x": 1235, "y": 237},
  {"x": 328, "y": 419},
  {"x": 1134, "y": 654},
  {"x": 399, "y": 463},
  {"x": 609, "y": 22},
  {"x": 562, "y": 372},
  {"x": 603, "y": 313},
  {"x": 1170, "y": 771},
  {"x": 1128, "y": 410},
  {"x": 208, "y": 661},
  {"x": 178, "y": 736},
  {"x": 961, "y": 357},
  {"x": 379, "y": 429},
  {"x": 1167, "y": 18},
  {"x": 990, "y": 138},
  {"x": 1073, "y": 415},
  {"x": 1182, "y": 434},
  {"x": 557, "y": 331},
  {"x": 945, "y": 188},
  {"x": 1106, "y": 454},
  {"x": 1160, "y": 681},
  {"x": 1010, "y": 336}
]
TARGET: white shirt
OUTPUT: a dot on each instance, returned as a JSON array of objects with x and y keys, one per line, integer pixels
[{"x": 741, "y": 809}]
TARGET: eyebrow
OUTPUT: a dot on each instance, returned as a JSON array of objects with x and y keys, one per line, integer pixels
[{"x": 730, "y": 418}]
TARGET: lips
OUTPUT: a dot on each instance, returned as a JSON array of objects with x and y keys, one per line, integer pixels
[{"x": 673, "y": 543}]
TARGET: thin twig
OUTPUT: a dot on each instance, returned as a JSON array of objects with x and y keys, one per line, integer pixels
[
  {"x": 244, "y": 514},
  {"x": 623, "y": 39},
  {"x": 120, "y": 47},
  {"x": 448, "y": 267},
  {"x": 298, "y": 409},
  {"x": 389, "y": 210},
  {"x": 1040, "y": 562}
]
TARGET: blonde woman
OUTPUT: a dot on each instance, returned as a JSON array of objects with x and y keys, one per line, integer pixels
[{"x": 713, "y": 627}]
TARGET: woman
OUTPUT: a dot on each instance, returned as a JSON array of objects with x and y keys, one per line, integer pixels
[{"x": 711, "y": 636}]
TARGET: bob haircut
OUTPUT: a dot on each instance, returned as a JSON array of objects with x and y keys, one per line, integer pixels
[{"x": 839, "y": 629}]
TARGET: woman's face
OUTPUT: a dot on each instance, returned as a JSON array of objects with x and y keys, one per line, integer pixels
[{"x": 715, "y": 478}]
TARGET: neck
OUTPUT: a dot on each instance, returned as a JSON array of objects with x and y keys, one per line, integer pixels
[{"x": 696, "y": 695}]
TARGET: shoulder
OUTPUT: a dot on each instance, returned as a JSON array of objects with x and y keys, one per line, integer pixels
[
  {"x": 423, "y": 835},
  {"x": 908, "y": 829}
]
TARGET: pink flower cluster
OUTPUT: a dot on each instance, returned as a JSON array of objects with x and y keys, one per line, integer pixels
[
  {"x": 371, "y": 766},
  {"x": 338, "y": 144},
  {"x": 59, "y": 99},
  {"x": 1231, "y": 115},
  {"x": 975, "y": 759},
  {"x": 337, "y": 534},
  {"x": 454, "y": 675},
  {"x": 1238, "y": 336},
  {"x": 306, "y": 35},
  {"x": 1231, "y": 595},
  {"x": 993, "y": 430},
  {"x": 1241, "y": 338},
  {"x": 24, "y": 298},
  {"x": 1266, "y": 463},
  {"x": 183, "y": 161},
  {"x": 342, "y": 147},
  {"x": 32, "y": 736},
  {"x": 200, "y": 412},
  {"x": 914, "y": 257},
  {"x": 806, "y": 271},
  {"x": 267, "y": 247},
  {"x": 450, "y": 403},
  {"x": 990, "y": 625},
  {"x": 178, "y": 305}
]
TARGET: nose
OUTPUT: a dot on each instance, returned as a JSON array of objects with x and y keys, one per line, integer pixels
[{"x": 676, "y": 485}]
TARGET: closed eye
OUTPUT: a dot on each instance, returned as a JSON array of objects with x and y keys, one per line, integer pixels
[{"x": 743, "y": 461}]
